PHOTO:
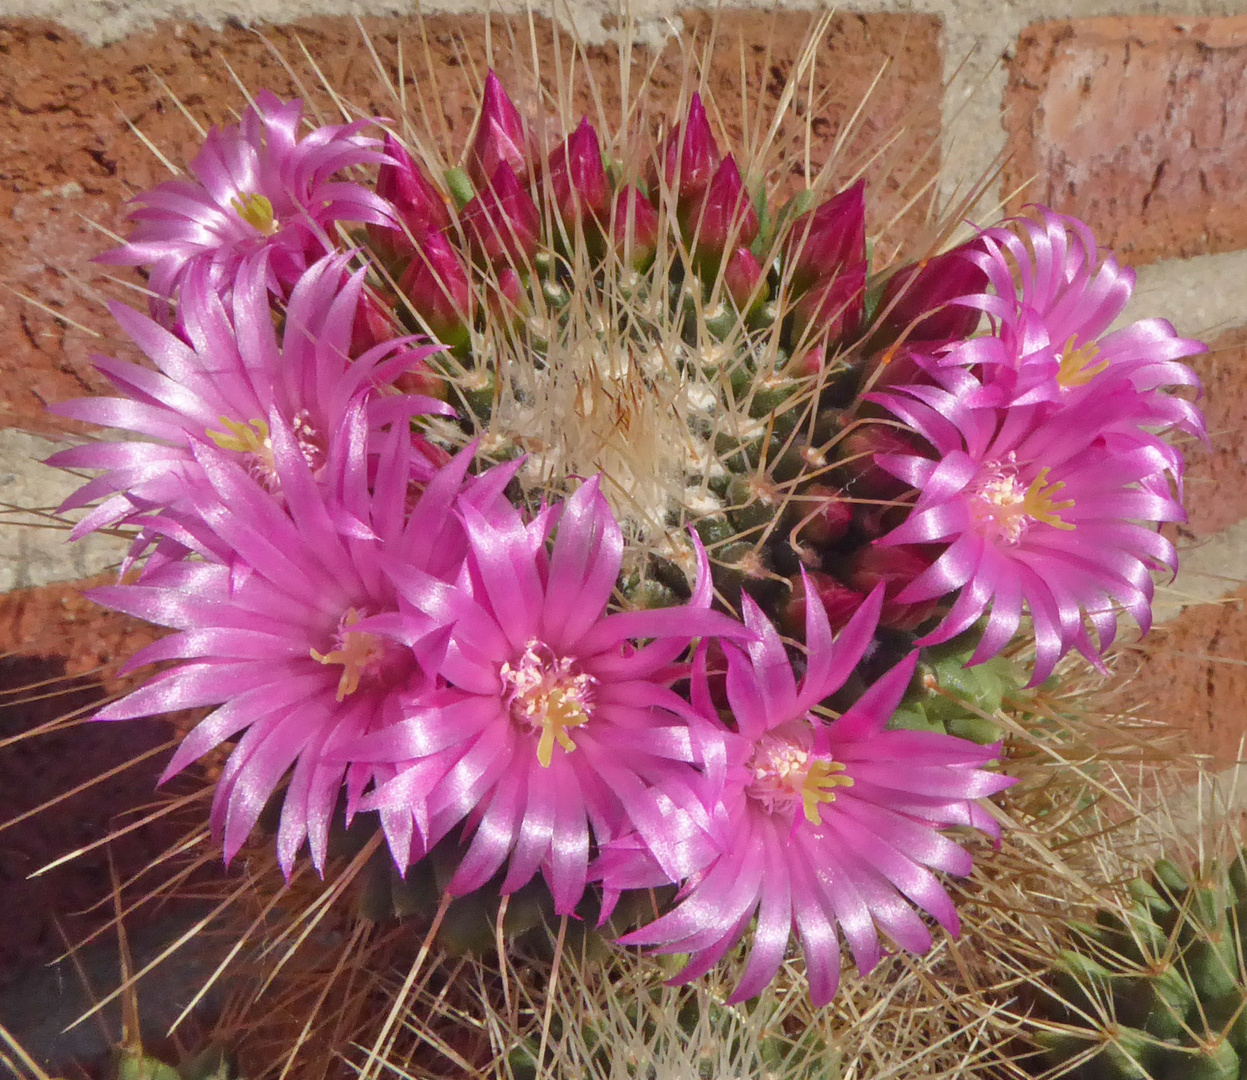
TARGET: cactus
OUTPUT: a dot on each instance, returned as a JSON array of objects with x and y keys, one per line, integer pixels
[{"x": 1156, "y": 988}]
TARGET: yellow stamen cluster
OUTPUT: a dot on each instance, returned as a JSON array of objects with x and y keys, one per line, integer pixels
[
  {"x": 256, "y": 211},
  {"x": 1007, "y": 509},
  {"x": 821, "y": 780},
  {"x": 1076, "y": 368},
  {"x": 357, "y": 652},
  {"x": 249, "y": 438},
  {"x": 1038, "y": 502},
  {"x": 543, "y": 692}
]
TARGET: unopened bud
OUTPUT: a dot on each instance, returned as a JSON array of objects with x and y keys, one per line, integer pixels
[
  {"x": 502, "y": 222},
  {"x": 838, "y": 600},
  {"x": 831, "y": 310},
  {"x": 923, "y": 294},
  {"x": 822, "y": 515},
  {"x": 745, "y": 281},
  {"x": 895, "y": 567},
  {"x": 689, "y": 158},
  {"x": 416, "y": 202},
  {"x": 373, "y": 324},
  {"x": 635, "y": 228},
  {"x": 500, "y": 136},
  {"x": 825, "y": 241},
  {"x": 725, "y": 217},
  {"x": 436, "y": 283},
  {"x": 861, "y": 475},
  {"x": 577, "y": 179}
]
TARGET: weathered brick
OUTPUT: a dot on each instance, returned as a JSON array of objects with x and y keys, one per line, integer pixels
[
  {"x": 70, "y": 159},
  {"x": 1190, "y": 673},
  {"x": 1137, "y": 125},
  {"x": 1216, "y": 486}
]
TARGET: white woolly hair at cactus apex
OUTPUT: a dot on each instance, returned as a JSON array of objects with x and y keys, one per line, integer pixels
[{"x": 631, "y": 587}]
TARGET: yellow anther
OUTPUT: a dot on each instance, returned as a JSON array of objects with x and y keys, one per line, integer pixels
[
  {"x": 562, "y": 712},
  {"x": 256, "y": 211},
  {"x": 249, "y": 438},
  {"x": 1076, "y": 368},
  {"x": 1038, "y": 501},
  {"x": 821, "y": 780},
  {"x": 358, "y": 651}
]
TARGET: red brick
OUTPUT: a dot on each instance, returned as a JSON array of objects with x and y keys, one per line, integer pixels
[
  {"x": 1138, "y": 126},
  {"x": 63, "y": 107},
  {"x": 1216, "y": 489},
  {"x": 1190, "y": 673}
]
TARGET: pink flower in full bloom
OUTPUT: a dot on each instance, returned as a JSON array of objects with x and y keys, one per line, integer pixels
[
  {"x": 814, "y": 824},
  {"x": 288, "y": 625},
  {"x": 550, "y": 723},
  {"x": 1044, "y": 509},
  {"x": 256, "y": 186},
  {"x": 223, "y": 379},
  {"x": 1050, "y": 296}
]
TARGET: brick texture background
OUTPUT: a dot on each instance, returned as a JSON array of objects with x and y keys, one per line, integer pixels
[{"x": 1138, "y": 124}]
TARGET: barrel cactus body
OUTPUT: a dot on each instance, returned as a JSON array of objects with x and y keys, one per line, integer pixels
[{"x": 1155, "y": 988}]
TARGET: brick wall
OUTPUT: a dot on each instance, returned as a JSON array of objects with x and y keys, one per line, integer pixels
[{"x": 1136, "y": 122}]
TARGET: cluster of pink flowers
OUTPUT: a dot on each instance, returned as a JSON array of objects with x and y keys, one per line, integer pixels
[{"x": 376, "y": 627}]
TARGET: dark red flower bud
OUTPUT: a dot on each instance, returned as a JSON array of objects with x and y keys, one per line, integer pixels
[
  {"x": 577, "y": 179},
  {"x": 635, "y": 228},
  {"x": 500, "y": 136},
  {"x": 821, "y": 515},
  {"x": 896, "y": 567},
  {"x": 839, "y": 601},
  {"x": 436, "y": 283},
  {"x": 824, "y": 241},
  {"x": 417, "y": 203},
  {"x": 502, "y": 222},
  {"x": 745, "y": 280},
  {"x": 927, "y": 288},
  {"x": 832, "y": 309},
  {"x": 725, "y": 217},
  {"x": 374, "y": 323},
  {"x": 861, "y": 475},
  {"x": 507, "y": 297},
  {"x": 689, "y": 159}
]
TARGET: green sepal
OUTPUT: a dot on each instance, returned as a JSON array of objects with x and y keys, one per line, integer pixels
[
  {"x": 911, "y": 717},
  {"x": 1215, "y": 1061},
  {"x": 460, "y": 185}
]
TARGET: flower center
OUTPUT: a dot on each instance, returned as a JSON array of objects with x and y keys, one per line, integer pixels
[
  {"x": 256, "y": 211},
  {"x": 1076, "y": 368},
  {"x": 253, "y": 439},
  {"x": 1004, "y": 509},
  {"x": 784, "y": 772},
  {"x": 545, "y": 693},
  {"x": 359, "y": 652}
]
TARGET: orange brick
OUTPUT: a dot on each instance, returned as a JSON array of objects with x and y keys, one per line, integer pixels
[
  {"x": 70, "y": 159},
  {"x": 1137, "y": 125}
]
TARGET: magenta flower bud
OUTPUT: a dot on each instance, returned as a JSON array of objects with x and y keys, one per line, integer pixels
[
  {"x": 825, "y": 240},
  {"x": 436, "y": 283},
  {"x": 374, "y": 324},
  {"x": 928, "y": 288},
  {"x": 502, "y": 222},
  {"x": 635, "y": 228},
  {"x": 576, "y": 177},
  {"x": 416, "y": 202},
  {"x": 894, "y": 568},
  {"x": 744, "y": 279},
  {"x": 689, "y": 159},
  {"x": 857, "y": 450},
  {"x": 507, "y": 298},
  {"x": 838, "y": 600},
  {"x": 725, "y": 216},
  {"x": 832, "y": 309},
  {"x": 500, "y": 136}
]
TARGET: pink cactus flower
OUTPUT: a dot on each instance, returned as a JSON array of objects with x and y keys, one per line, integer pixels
[
  {"x": 223, "y": 379},
  {"x": 1051, "y": 512},
  {"x": 550, "y": 723},
  {"x": 811, "y": 824},
  {"x": 1047, "y": 341},
  {"x": 289, "y": 626},
  {"x": 257, "y": 186}
]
